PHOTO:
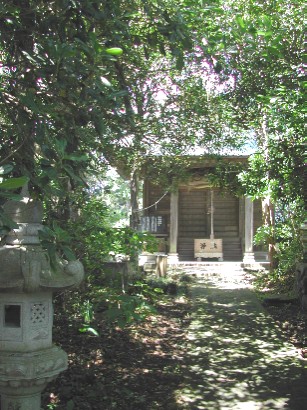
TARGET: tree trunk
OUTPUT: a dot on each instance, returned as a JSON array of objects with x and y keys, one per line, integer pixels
[
  {"x": 268, "y": 207},
  {"x": 268, "y": 212},
  {"x": 134, "y": 193}
]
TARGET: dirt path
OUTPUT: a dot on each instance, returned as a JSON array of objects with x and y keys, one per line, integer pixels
[{"x": 237, "y": 358}]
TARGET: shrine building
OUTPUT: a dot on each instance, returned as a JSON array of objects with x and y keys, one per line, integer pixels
[{"x": 198, "y": 222}]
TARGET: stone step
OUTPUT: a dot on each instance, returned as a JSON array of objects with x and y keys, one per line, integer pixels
[{"x": 205, "y": 268}]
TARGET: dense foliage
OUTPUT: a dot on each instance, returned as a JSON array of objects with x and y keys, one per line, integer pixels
[
  {"x": 67, "y": 94},
  {"x": 257, "y": 51},
  {"x": 89, "y": 83}
]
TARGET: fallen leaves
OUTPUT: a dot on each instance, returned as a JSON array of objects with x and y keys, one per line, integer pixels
[{"x": 139, "y": 367}]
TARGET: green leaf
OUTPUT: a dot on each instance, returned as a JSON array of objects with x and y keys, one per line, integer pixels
[
  {"x": 105, "y": 82},
  {"x": 84, "y": 46},
  {"x": 10, "y": 195},
  {"x": 83, "y": 329},
  {"x": 114, "y": 51},
  {"x": 240, "y": 21},
  {"x": 5, "y": 169},
  {"x": 14, "y": 183},
  {"x": 267, "y": 21},
  {"x": 121, "y": 93},
  {"x": 93, "y": 331},
  {"x": 7, "y": 221},
  {"x": 29, "y": 57},
  {"x": 29, "y": 101},
  {"x": 96, "y": 45},
  {"x": 51, "y": 249},
  {"x": 46, "y": 234},
  {"x": 71, "y": 173},
  {"x": 89, "y": 329},
  {"x": 265, "y": 33},
  {"x": 68, "y": 253},
  {"x": 61, "y": 146},
  {"x": 99, "y": 124},
  {"x": 76, "y": 157}
]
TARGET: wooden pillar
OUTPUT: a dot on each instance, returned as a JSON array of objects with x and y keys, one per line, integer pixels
[
  {"x": 249, "y": 256},
  {"x": 173, "y": 238},
  {"x": 211, "y": 215},
  {"x": 241, "y": 220}
]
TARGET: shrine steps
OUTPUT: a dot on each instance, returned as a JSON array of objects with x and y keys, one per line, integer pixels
[{"x": 211, "y": 268}]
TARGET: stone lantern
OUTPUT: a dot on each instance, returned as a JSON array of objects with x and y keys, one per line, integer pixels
[{"x": 28, "y": 359}]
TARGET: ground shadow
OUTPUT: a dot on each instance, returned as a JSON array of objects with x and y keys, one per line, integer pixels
[{"x": 120, "y": 369}]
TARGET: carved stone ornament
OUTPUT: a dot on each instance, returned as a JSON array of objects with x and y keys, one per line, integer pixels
[
  {"x": 25, "y": 265},
  {"x": 31, "y": 369}
]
